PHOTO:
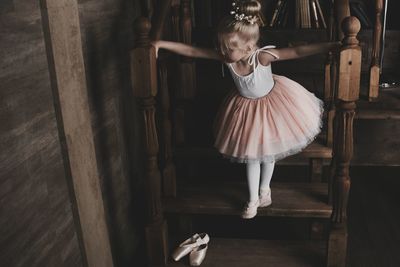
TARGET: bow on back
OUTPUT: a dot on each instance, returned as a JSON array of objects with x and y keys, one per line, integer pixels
[{"x": 254, "y": 55}]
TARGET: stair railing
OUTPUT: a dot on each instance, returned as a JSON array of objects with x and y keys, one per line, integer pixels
[{"x": 345, "y": 86}]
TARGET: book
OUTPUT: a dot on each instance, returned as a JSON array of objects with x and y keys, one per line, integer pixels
[
  {"x": 281, "y": 14},
  {"x": 314, "y": 13},
  {"x": 363, "y": 9},
  {"x": 297, "y": 14},
  {"x": 275, "y": 14},
  {"x": 307, "y": 19},
  {"x": 355, "y": 10},
  {"x": 321, "y": 14},
  {"x": 304, "y": 14},
  {"x": 286, "y": 16}
]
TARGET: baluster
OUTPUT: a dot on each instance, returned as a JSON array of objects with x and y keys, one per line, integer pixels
[
  {"x": 330, "y": 78},
  {"x": 348, "y": 93},
  {"x": 144, "y": 84},
  {"x": 169, "y": 173},
  {"x": 186, "y": 84},
  {"x": 375, "y": 68}
]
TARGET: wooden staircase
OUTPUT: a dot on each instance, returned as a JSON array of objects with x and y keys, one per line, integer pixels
[{"x": 173, "y": 191}]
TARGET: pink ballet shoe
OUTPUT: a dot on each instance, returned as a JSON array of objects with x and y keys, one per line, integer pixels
[
  {"x": 189, "y": 245},
  {"x": 265, "y": 197}
]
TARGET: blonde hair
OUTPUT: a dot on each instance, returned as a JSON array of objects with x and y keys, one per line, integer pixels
[{"x": 246, "y": 29}]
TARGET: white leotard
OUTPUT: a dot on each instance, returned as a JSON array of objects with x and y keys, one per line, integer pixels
[{"x": 259, "y": 82}]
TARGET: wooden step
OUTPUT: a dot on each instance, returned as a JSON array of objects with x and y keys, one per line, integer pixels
[
  {"x": 386, "y": 106},
  {"x": 316, "y": 149},
  {"x": 377, "y": 114},
  {"x": 257, "y": 253},
  {"x": 306, "y": 200}
]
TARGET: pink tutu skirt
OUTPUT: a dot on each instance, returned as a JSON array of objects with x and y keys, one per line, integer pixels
[{"x": 269, "y": 128}]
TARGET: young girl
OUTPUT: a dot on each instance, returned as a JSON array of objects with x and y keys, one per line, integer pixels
[{"x": 268, "y": 117}]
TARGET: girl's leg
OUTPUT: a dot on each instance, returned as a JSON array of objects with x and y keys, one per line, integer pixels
[
  {"x": 266, "y": 175},
  {"x": 265, "y": 190},
  {"x": 253, "y": 180}
]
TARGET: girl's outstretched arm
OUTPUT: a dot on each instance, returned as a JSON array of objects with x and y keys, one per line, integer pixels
[
  {"x": 187, "y": 50},
  {"x": 299, "y": 51}
]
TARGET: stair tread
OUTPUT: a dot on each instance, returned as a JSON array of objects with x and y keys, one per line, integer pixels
[
  {"x": 317, "y": 149},
  {"x": 307, "y": 200},
  {"x": 365, "y": 113},
  {"x": 385, "y": 106},
  {"x": 251, "y": 252}
]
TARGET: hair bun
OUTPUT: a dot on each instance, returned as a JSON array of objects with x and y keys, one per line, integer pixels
[{"x": 249, "y": 7}]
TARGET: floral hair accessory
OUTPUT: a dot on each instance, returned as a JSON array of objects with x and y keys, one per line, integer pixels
[{"x": 242, "y": 16}]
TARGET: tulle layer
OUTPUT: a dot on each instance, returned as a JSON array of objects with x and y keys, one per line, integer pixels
[{"x": 271, "y": 127}]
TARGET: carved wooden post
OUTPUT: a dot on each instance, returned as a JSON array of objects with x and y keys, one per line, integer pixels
[
  {"x": 169, "y": 172},
  {"x": 348, "y": 93},
  {"x": 375, "y": 68},
  {"x": 144, "y": 83}
]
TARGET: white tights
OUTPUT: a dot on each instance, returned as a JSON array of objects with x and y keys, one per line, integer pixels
[{"x": 253, "y": 177}]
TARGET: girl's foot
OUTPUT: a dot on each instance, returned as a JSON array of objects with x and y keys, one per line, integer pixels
[
  {"x": 250, "y": 209},
  {"x": 265, "y": 197}
]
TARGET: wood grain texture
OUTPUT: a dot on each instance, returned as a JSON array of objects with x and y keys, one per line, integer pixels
[
  {"x": 107, "y": 38},
  {"x": 67, "y": 74},
  {"x": 36, "y": 219}
]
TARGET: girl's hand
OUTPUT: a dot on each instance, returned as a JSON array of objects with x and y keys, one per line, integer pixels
[{"x": 156, "y": 45}]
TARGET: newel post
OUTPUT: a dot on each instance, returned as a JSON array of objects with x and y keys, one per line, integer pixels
[
  {"x": 144, "y": 84},
  {"x": 348, "y": 89}
]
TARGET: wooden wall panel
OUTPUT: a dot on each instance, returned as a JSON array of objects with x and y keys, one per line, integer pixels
[
  {"x": 107, "y": 38},
  {"x": 36, "y": 222}
]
